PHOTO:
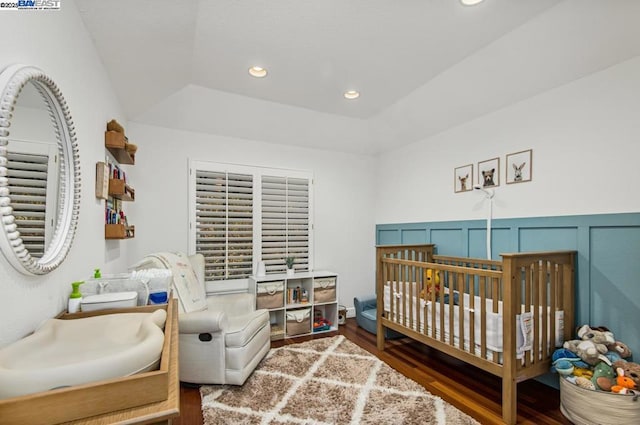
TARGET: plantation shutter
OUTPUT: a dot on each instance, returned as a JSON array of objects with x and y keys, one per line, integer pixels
[
  {"x": 27, "y": 178},
  {"x": 224, "y": 224},
  {"x": 285, "y": 222}
]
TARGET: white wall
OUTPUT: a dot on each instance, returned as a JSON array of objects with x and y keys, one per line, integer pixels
[
  {"x": 343, "y": 197},
  {"x": 57, "y": 42},
  {"x": 585, "y": 141}
]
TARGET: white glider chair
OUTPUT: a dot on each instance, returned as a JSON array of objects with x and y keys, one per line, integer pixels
[{"x": 222, "y": 337}]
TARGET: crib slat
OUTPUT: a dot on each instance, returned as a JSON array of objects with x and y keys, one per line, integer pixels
[
  {"x": 483, "y": 317},
  {"x": 530, "y": 305},
  {"x": 553, "y": 280},
  {"x": 544, "y": 302},
  {"x": 440, "y": 301},
  {"x": 451, "y": 312},
  {"x": 537, "y": 278},
  {"x": 517, "y": 302},
  {"x": 404, "y": 294},
  {"x": 472, "y": 314},
  {"x": 460, "y": 308},
  {"x": 393, "y": 290},
  {"x": 411, "y": 278},
  {"x": 495, "y": 291}
]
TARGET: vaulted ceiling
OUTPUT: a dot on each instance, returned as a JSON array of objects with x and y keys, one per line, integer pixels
[{"x": 422, "y": 66}]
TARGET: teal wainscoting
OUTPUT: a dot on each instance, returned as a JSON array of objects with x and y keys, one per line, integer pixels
[{"x": 608, "y": 246}]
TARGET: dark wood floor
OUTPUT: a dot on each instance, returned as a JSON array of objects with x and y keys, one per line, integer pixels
[{"x": 469, "y": 389}]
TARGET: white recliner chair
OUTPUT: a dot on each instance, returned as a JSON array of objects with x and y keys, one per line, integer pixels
[{"x": 222, "y": 337}]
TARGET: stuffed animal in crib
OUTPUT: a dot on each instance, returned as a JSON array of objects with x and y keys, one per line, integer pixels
[{"x": 432, "y": 284}]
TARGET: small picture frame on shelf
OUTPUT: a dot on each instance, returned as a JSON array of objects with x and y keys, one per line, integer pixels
[
  {"x": 489, "y": 172},
  {"x": 518, "y": 167},
  {"x": 463, "y": 178}
]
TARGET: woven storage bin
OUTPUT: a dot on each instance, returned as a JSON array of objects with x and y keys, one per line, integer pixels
[
  {"x": 588, "y": 407},
  {"x": 299, "y": 322},
  {"x": 270, "y": 295},
  {"x": 324, "y": 290}
]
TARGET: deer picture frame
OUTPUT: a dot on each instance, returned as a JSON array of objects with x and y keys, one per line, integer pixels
[
  {"x": 463, "y": 178},
  {"x": 518, "y": 167}
]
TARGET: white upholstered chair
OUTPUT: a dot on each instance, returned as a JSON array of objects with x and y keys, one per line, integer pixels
[{"x": 222, "y": 337}]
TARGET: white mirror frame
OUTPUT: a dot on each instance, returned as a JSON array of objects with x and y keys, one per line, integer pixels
[{"x": 12, "y": 81}]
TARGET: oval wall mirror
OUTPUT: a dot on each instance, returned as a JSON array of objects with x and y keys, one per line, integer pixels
[{"x": 39, "y": 171}]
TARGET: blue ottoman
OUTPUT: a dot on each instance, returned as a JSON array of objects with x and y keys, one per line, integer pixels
[{"x": 367, "y": 319}]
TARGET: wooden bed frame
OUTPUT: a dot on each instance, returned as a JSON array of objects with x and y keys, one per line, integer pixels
[{"x": 521, "y": 282}]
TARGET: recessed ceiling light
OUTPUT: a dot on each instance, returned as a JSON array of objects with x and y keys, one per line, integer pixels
[
  {"x": 470, "y": 2},
  {"x": 257, "y": 71},
  {"x": 351, "y": 94}
]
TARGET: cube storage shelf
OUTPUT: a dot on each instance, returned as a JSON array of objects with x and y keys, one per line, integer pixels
[{"x": 296, "y": 302}]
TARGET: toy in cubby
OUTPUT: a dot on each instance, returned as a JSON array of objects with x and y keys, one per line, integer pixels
[{"x": 320, "y": 323}]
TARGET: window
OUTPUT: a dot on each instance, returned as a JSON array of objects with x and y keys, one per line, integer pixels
[
  {"x": 285, "y": 222},
  {"x": 240, "y": 215},
  {"x": 33, "y": 183}
]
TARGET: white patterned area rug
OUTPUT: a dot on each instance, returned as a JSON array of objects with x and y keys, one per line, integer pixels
[{"x": 325, "y": 381}]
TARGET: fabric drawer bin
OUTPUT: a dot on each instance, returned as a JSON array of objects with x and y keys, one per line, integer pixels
[
  {"x": 586, "y": 407},
  {"x": 299, "y": 322},
  {"x": 324, "y": 290},
  {"x": 270, "y": 295}
]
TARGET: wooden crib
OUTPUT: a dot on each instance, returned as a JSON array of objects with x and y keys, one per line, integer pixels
[{"x": 490, "y": 314}]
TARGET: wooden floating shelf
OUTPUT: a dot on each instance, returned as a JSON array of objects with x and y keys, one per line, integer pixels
[
  {"x": 115, "y": 143},
  {"x": 120, "y": 190},
  {"x": 119, "y": 231}
]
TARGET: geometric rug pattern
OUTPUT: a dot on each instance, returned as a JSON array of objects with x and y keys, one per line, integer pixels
[{"x": 325, "y": 381}]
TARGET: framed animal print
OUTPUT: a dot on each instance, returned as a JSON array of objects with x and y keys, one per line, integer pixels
[
  {"x": 463, "y": 178},
  {"x": 518, "y": 168},
  {"x": 489, "y": 173}
]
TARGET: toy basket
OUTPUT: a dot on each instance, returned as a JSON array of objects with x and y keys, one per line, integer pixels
[
  {"x": 299, "y": 322},
  {"x": 270, "y": 295},
  {"x": 324, "y": 290},
  {"x": 588, "y": 407}
]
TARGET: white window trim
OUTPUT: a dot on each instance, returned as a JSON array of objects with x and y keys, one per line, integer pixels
[{"x": 242, "y": 285}]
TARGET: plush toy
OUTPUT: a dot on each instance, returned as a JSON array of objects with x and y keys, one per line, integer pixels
[
  {"x": 585, "y": 373},
  {"x": 623, "y": 383},
  {"x": 586, "y": 333},
  {"x": 566, "y": 362},
  {"x": 602, "y": 335},
  {"x": 432, "y": 285},
  {"x": 603, "y": 375},
  {"x": 620, "y": 348},
  {"x": 588, "y": 351},
  {"x": 631, "y": 370},
  {"x": 585, "y": 383}
]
